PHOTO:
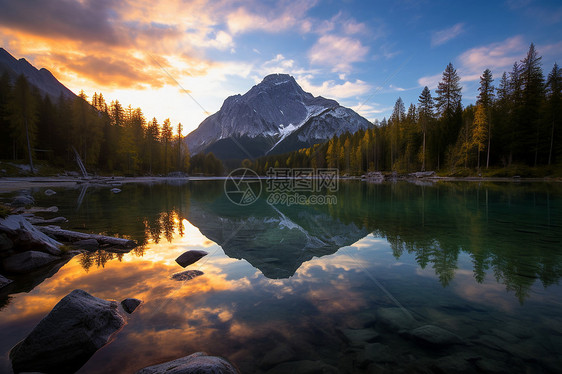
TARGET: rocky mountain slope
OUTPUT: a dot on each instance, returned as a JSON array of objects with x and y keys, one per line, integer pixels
[
  {"x": 274, "y": 116},
  {"x": 42, "y": 78}
]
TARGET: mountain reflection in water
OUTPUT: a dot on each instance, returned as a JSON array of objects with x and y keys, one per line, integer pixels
[{"x": 513, "y": 231}]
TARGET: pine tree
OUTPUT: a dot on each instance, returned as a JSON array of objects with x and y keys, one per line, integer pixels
[
  {"x": 554, "y": 106},
  {"x": 179, "y": 145},
  {"x": 486, "y": 99},
  {"x": 5, "y": 98},
  {"x": 532, "y": 80},
  {"x": 23, "y": 117},
  {"x": 166, "y": 136},
  {"x": 448, "y": 92},
  {"x": 479, "y": 130},
  {"x": 426, "y": 118},
  {"x": 450, "y": 109}
]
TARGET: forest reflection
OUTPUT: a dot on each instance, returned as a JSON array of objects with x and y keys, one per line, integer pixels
[{"x": 510, "y": 230}]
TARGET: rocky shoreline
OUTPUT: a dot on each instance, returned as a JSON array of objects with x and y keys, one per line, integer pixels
[
  {"x": 80, "y": 323},
  {"x": 12, "y": 184}
]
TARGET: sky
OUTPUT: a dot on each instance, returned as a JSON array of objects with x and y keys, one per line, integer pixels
[{"x": 181, "y": 59}]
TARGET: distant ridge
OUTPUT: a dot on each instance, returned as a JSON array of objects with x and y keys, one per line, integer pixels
[{"x": 42, "y": 79}]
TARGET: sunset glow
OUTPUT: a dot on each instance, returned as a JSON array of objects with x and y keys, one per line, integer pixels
[{"x": 146, "y": 53}]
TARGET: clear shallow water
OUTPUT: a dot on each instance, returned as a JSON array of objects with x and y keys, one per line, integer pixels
[{"x": 281, "y": 283}]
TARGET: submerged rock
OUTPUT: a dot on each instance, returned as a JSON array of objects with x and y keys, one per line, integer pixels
[
  {"x": 281, "y": 353},
  {"x": 186, "y": 275},
  {"x": 26, "y": 262},
  {"x": 435, "y": 335},
  {"x": 303, "y": 367},
  {"x": 129, "y": 305},
  {"x": 395, "y": 319},
  {"x": 68, "y": 336},
  {"x": 359, "y": 337},
  {"x": 199, "y": 363},
  {"x": 375, "y": 352},
  {"x": 190, "y": 257}
]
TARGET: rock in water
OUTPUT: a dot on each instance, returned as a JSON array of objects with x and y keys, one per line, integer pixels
[
  {"x": 435, "y": 335},
  {"x": 115, "y": 190},
  {"x": 23, "y": 200},
  {"x": 68, "y": 336},
  {"x": 199, "y": 363},
  {"x": 190, "y": 257},
  {"x": 4, "y": 281},
  {"x": 129, "y": 305},
  {"x": 186, "y": 275},
  {"x": 25, "y": 262},
  {"x": 50, "y": 192},
  {"x": 395, "y": 318}
]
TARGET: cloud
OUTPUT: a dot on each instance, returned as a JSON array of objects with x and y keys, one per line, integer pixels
[
  {"x": 430, "y": 81},
  {"x": 331, "y": 89},
  {"x": 443, "y": 36},
  {"x": 337, "y": 52},
  {"x": 496, "y": 57},
  {"x": 371, "y": 111},
  {"x": 88, "y": 20},
  {"x": 286, "y": 15}
]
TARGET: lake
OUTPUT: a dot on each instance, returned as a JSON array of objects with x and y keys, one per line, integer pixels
[{"x": 347, "y": 285}]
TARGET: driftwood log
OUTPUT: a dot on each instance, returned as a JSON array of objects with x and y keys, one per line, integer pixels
[{"x": 72, "y": 236}]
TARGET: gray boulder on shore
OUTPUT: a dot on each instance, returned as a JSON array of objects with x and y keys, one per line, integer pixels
[
  {"x": 190, "y": 257},
  {"x": 25, "y": 236},
  {"x": 68, "y": 336},
  {"x": 25, "y": 262},
  {"x": 199, "y": 363}
]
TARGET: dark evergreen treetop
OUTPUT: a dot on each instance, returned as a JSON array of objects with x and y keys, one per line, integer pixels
[{"x": 449, "y": 91}]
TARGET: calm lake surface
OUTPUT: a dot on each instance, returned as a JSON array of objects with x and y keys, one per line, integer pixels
[{"x": 341, "y": 285}]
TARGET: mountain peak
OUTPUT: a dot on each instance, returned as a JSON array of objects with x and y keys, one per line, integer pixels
[
  {"x": 277, "y": 78},
  {"x": 274, "y": 115}
]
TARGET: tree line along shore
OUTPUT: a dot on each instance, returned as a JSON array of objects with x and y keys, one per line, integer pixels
[{"x": 514, "y": 128}]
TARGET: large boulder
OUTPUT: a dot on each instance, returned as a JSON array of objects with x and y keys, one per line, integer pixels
[
  {"x": 68, "y": 336},
  {"x": 25, "y": 262},
  {"x": 4, "y": 281},
  {"x": 190, "y": 257},
  {"x": 27, "y": 237},
  {"x": 199, "y": 363}
]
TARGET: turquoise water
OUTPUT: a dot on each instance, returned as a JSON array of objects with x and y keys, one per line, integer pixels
[{"x": 287, "y": 287}]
